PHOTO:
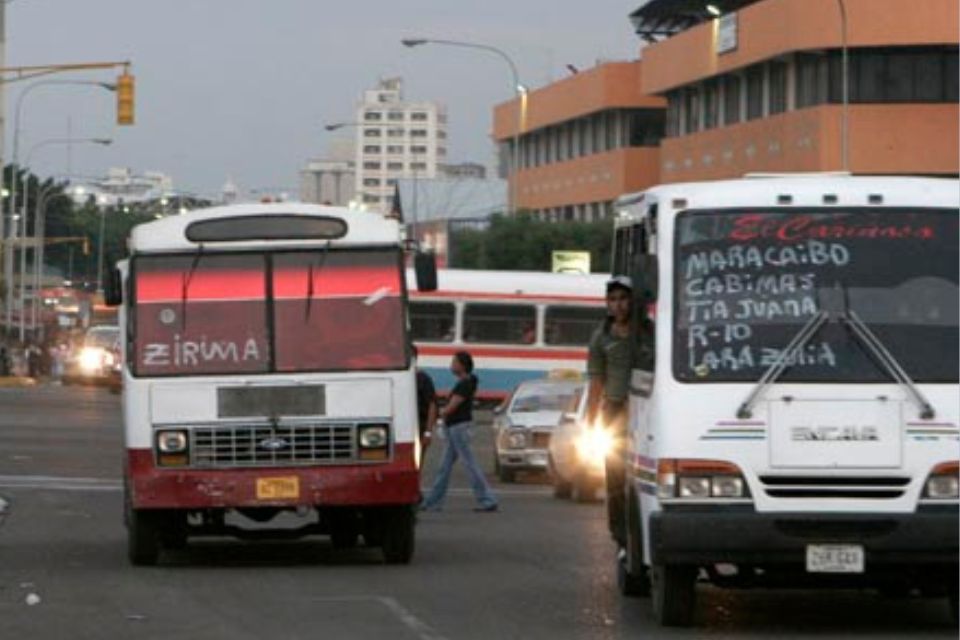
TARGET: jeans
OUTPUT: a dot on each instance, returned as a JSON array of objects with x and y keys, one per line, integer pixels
[{"x": 458, "y": 446}]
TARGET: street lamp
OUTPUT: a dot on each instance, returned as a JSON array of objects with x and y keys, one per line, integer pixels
[
  {"x": 713, "y": 10},
  {"x": 517, "y": 87},
  {"x": 7, "y": 254}
]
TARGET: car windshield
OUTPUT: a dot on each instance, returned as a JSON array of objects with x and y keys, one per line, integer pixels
[
  {"x": 337, "y": 310},
  {"x": 543, "y": 398},
  {"x": 748, "y": 280},
  {"x": 103, "y": 338}
]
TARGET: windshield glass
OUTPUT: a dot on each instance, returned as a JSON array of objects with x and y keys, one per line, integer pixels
[
  {"x": 105, "y": 338},
  {"x": 210, "y": 313},
  {"x": 543, "y": 398},
  {"x": 747, "y": 281}
]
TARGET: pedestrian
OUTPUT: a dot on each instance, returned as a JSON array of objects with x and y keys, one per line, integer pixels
[
  {"x": 426, "y": 404},
  {"x": 456, "y": 419},
  {"x": 615, "y": 350}
]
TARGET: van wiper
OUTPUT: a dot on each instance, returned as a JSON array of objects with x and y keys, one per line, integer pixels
[
  {"x": 776, "y": 369},
  {"x": 186, "y": 285},
  {"x": 319, "y": 266}
]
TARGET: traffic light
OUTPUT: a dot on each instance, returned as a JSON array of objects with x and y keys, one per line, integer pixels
[{"x": 125, "y": 98}]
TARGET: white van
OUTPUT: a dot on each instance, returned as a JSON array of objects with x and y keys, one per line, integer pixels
[{"x": 800, "y": 423}]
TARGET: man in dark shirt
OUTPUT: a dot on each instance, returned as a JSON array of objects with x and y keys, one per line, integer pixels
[{"x": 426, "y": 405}]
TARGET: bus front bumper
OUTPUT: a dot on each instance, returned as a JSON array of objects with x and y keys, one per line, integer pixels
[
  {"x": 739, "y": 535},
  {"x": 396, "y": 482}
]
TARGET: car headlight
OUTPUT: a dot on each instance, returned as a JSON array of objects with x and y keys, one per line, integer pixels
[
  {"x": 373, "y": 437},
  {"x": 172, "y": 441},
  {"x": 944, "y": 482},
  {"x": 700, "y": 480},
  {"x": 517, "y": 440},
  {"x": 91, "y": 359},
  {"x": 594, "y": 445}
]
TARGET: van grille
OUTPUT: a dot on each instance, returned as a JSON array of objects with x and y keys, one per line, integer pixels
[
  {"x": 863, "y": 487},
  {"x": 268, "y": 446}
]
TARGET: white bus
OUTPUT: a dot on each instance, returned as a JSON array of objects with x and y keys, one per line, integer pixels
[
  {"x": 799, "y": 424},
  {"x": 267, "y": 369},
  {"x": 518, "y": 325}
]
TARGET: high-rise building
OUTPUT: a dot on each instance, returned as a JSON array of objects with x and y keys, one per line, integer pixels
[{"x": 395, "y": 139}]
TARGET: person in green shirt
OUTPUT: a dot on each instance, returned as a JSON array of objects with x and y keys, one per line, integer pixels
[{"x": 614, "y": 352}]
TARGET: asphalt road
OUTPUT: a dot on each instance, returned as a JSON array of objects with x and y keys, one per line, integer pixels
[{"x": 540, "y": 568}]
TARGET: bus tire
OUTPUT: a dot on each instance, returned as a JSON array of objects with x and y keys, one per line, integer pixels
[
  {"x": 399, "y": 535},
  {"x": 143, "y": 537},
  {"x": 633, "y": 583},
  {"x": 673, "y": 594}
]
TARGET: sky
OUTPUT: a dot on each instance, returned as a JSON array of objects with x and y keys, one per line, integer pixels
[{"x": 242, "y": 88}]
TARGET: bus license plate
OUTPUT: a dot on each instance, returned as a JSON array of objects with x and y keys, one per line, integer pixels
[
  {"x": 280, "y": 488},
  {"x": 834, "y": 558}
]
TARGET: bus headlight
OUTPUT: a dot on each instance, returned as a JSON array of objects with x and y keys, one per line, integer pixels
[
  {"x": 944, "y": 482},
  {"x": 172, "y": 441},
  {"x": 373, "y": 436},
  {"x": 700, "y": 480},
  {"x": 593, "y": 446}
]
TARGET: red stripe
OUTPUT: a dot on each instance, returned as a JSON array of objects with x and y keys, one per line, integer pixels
[
  {"x": 208, "y": 284},
  {"x": 505, "y": 352},
  {"x": 291, "y": 282},
  {"x": 468, "y": 295}
]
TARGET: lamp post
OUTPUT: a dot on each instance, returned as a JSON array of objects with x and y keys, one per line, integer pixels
[
  {"x": 518, "y": 88},
  {"x": 7, "y": 256}
]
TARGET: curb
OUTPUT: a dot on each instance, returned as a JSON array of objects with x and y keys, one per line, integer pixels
[{"x": 17, "y": 381}]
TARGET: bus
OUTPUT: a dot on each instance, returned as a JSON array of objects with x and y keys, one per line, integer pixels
[
  {"x": 267, "y": 370},
  {"x": 518, "y": 325},
  {"x": 799, "y": 422}
]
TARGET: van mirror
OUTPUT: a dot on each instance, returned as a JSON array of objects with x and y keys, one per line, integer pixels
[
  {"x": 646, "y": 276},
  {"x": 113, "y": 288},
  {"x": 425, "y": 267}
]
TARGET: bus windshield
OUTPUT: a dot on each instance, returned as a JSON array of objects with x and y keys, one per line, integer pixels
[
  {"x": 255, "y": 313},
  {"x": 748, "y": 280}
]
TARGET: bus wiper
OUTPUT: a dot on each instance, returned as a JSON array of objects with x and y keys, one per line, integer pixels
[
  {"x": 776, "y": 369},
  {"x": 323, "y": 259},
  {"x": 186, "y": 285}
]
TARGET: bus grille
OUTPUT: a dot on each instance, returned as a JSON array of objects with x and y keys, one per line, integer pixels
[
  {"x": 266, "y": 446},
  {"x": 866, "y": 487}
]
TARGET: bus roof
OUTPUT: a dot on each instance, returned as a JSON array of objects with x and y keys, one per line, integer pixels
[
  {"x": 169, "y": 234},
  {"x": 805, "y": 190},
  {"x": 510, "y": 284}
]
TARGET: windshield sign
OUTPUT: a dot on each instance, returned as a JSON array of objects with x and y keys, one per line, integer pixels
[{"x": 747, "y": 281}]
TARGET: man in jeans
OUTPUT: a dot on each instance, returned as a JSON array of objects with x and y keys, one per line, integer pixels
[{"x": 457, "y": 420}]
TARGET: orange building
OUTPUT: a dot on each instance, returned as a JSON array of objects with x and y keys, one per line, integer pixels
[
  {"x": 749, "y": 86},
  {"x": 584, "y": 140}
]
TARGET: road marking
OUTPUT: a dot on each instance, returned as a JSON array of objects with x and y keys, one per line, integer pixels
[{"x": 409, "y": 620}]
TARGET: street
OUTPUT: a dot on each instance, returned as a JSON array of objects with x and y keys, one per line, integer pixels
[{"x": 540, "y": 568}]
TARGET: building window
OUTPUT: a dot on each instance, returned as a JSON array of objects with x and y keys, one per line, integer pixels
[
  {"x": 731, "y": 99},
  {"x": 441, "y": 151},
  {"x": 711, "y": 104},
  {"x": 394, "y": 166},
  {"x": 583, "y": 135},
  {"x": 500, "y": 323},
  {"x": 418, "y": 166},
  {"x": 371, "y": 116},
  {"x": 755, "y": 92},
  {"x": 372, "y": 166},
  {"x": 810, "y": 80},
  {"x": 573, "y": 149},
  {"x": 419, "y": 116},
  {"x": 394, "y": 149},
  {"x": 674, "y": 101},
  {"x": 395, "y": 133},
  {"x": 691, "y": 105},
  {"x": 778, "y": 87},
  {"x": 610, "y": 127},
  {"x": 371, "y": 182},
  {"x": 370, "y": 198},
  {"x": 371, "y": 148},
  {"x": 598, "y": 137},
  {"x": 645, "y": 127},
  {"x": 441, "y": 134},
  {"x": 418, "y": 148},
  {"x": 432, "y": 321},
  {"x": 372, "y": 133},
  {"x": 418, "y": 133},
  {"x": 395, "y": 116}
]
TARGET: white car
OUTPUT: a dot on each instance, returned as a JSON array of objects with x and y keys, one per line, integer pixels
[
  {"x": 93, "y": 362},
  {"x": 578, "y": 453},
  {"x": 525, "y": 422}
]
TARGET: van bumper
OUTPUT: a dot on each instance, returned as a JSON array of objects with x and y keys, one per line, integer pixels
[{"x": 739, "y": 535}]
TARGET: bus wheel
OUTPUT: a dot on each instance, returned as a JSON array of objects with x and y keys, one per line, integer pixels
[
  {"x": 398, "y": 535},
  {"x": 674, "y": 595},
  {"x": 143, "y": 537}
]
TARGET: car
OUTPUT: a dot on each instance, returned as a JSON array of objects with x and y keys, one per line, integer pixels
[
  {"x": 578, "y": 453},
  {"x": 93, "y": 360},
  {"x": 524, "y": 423}
]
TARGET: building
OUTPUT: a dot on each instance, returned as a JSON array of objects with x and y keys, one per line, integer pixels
[
  {"x": 328, "y": 182},
  {"x": 395, "y": 139},
  {"x": 122, "y": 186},
  {"x": 745, "y": 94},
  {"x": 583, "y": 141},
  {"x": 463, "y": 170}
]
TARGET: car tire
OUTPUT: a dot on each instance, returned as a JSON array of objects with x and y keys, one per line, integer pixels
[
  {"x": 399, "y": 535},
  {"x": 673, "y": 594}
]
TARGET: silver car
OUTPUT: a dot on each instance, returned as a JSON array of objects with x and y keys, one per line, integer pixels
[{"x": 525, "y": 423}]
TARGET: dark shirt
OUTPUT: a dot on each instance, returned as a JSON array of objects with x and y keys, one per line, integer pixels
[
  {"x": 426, "y": 394},
  {"x": 464, "y": 388}
]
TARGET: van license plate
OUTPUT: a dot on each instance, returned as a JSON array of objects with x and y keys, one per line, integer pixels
[
  {"x": 281, "y": 488},
  {"x": 834, "y": 558}
]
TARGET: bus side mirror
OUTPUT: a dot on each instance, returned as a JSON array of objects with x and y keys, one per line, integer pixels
[
  {"x": 425, "y": 267},
  {"x": 646, "y": 277},
  {"x": 113, "y": 288}
]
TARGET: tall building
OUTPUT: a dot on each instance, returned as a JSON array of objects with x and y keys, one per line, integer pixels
[
  {"x": 326, "y": 181},
  {"x": 395, "y": 139}
]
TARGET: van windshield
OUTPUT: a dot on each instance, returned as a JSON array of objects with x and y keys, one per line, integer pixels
[
  {"x": 748, "y": 280},
  {"x": 208, "y": 313}
]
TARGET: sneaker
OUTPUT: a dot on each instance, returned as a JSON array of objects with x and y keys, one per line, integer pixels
[{"x": 493, "y": 508}]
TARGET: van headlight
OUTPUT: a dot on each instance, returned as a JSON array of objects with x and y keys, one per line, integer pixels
[
  {"x": 944, "y": 482},
  {"x": 172, "y": 441},
  {"x": 700, "y": 480},
  {"x": 373, "y": 436}
]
